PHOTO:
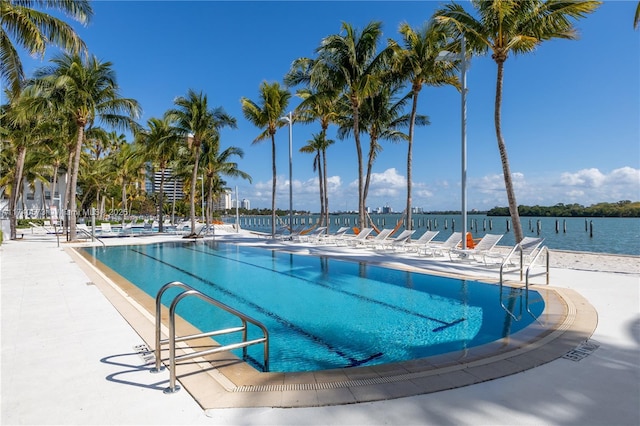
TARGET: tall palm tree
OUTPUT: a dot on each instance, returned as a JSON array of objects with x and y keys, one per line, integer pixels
[
  {"x": 382, "y": 118},
  {"x": 86, "y": 90},
  {"x": 636, "y": 18},
  {"x": 416, "y": 64},
  {"x": 349, "y": 62},
  {"x": 216, "y": 163},
  {"x": 33, "y": 30},
  {"x": 318, "y": 145},
  {"x": 128, "y": 164},
  {"x": 321, "y": 106},
  {"x": 23, "y": 128},
  {"x": 198, "y": 124},
  {"x": 517, "y": 27},
  {"x": 161, "y": 141},
  {"x": 267, "y": 113}
]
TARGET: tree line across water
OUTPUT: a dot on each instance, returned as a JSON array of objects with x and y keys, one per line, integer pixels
[{"x": 624, "y": 208}]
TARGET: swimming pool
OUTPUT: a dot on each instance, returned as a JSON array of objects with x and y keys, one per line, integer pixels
[{"x": 323, "y": 313}]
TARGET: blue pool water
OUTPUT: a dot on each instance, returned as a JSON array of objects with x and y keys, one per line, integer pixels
[{"x": 321, "y": 313}]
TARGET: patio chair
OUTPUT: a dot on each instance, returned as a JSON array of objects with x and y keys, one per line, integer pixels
[
  {"x": 520, "y": 255},
  {"x": 399, "y": 241},
  {"x": 359, "y": 238},
  {"x": 439, "y": 249},
  {"x": 378, "y": 240},
  {"x": 106, "y": 230},
  {"x": 333, "y": 238},
  {"x": 311, "y": 236},
  {"x": 484, "y": 246},
  {"x": 420, "y": 242}
]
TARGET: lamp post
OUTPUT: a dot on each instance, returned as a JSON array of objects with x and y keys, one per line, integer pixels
[
  {"x": 289, "y": 119},
  {"x": 448, "y": 56},
  {"x": 201, "y": 178},
  {"x": 237, "y": 211}
]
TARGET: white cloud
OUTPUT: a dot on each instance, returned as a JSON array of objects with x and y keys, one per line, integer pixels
[
  {"x": 586, "y": 178},
  {"x": 586, "y": 187}
]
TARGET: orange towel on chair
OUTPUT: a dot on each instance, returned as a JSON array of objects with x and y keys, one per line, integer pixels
[{"x": 470, "y": 243}]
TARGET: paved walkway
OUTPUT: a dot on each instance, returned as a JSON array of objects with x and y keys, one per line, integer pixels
[{"x": 68, "y": 357}]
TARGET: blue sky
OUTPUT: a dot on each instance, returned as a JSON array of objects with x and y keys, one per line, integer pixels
[{"x": 570, "y": 117}]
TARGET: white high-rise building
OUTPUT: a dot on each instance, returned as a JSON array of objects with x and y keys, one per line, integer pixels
[
  {"x": 223, "y": 202},
  {"x": 171, "y": 187}
]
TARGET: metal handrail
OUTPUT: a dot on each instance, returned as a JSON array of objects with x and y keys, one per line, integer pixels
[
  {"x": 190, "y": 291},
  {"x": 92, "y": 236},
  {"x": 544, "y": 249}
]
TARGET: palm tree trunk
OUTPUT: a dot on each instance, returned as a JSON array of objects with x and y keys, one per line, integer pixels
[
  {"x": 74, "y": 182},
  {"x": 124, "y": 200},
  {"x": 194, "y": 179},
  {"x": 508, "y": 182},
  {"x": 412, "y": 123},
  {"x": 326, "y": 188},
  {"x": 273, "y": 190},
  {"x": 370, "y": 161},
  {"x": 321, "y": 185},
  {"x": 43, "y": 201},
  {"x": 356, "y": 135},
  {"x": 173, "y": 204},
  {"x": 161, "y": 202},
  {"x": 209, "y": 212},
  {"x": 53, "y": 191},
  {"x": 15, "y": 191}
]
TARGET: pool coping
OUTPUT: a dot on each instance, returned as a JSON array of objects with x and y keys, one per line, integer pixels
[{"x": 231, "y": 383}]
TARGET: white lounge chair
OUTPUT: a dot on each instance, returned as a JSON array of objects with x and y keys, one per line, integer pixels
[
  {"x": 106, "y": 230},
  {"x": 440, "y": 249},
  {"x": 520, "y": 255},
  {"x": 484, "y": 246},
  {"x": 358, "y": 239},
  {"x": 416, "y": 245},
  {"x": 378, "y": 240},
  {"x": 333, "y": 238},
  {"x": 310, "y": 236},
  {"x": 399, "y": 241}
]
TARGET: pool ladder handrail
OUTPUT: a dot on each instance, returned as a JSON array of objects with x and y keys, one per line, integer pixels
[
  {"x": 91, "y": 235},
  {"x": 544, "y": 249},
  {"x": 172, "y": 340}
]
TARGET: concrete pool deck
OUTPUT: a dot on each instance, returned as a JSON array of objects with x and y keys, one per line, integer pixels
[{"x": 68, "y": 357}]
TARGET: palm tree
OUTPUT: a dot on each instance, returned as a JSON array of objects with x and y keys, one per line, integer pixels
[
  {"x": 267, "y": 114},
  {"x": 318, "y": 145},
  {"x": 51, "y": 154},
  {"x": 85, "y": 90},
  {"x": 516, "y": 27},
  {"x": 636, "y": 18},
  {"x": 161, "y": 141},
  {"x": 23, "y": 128},
  {"x": 382, "y": 118},
  {"x": 33, "y": 30},
  {"x": 322, "y": 106},
  {"x": 416, "y": 64},
  {"x": 198, "y": 124},
  {"x": 128, "y": 162},
  {"x": 350, "y": 63},
  {"x": 216, "y": 164}
]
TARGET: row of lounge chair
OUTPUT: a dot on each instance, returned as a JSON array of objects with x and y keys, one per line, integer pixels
[{"x": 480, "y": 251}]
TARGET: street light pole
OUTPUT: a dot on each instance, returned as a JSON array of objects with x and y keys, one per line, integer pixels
[
  {"x": 289, "y": 119},
  {"x": 202, "y": 198},
  {"x": 448, "y": 56},
  {"x": 463, "y": 71}
]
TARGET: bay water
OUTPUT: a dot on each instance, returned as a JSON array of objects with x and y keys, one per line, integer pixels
[{"x": 591, "y": 234}]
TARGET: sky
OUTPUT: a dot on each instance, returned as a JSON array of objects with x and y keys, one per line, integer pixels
[{"x": 570, "y": 110}]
